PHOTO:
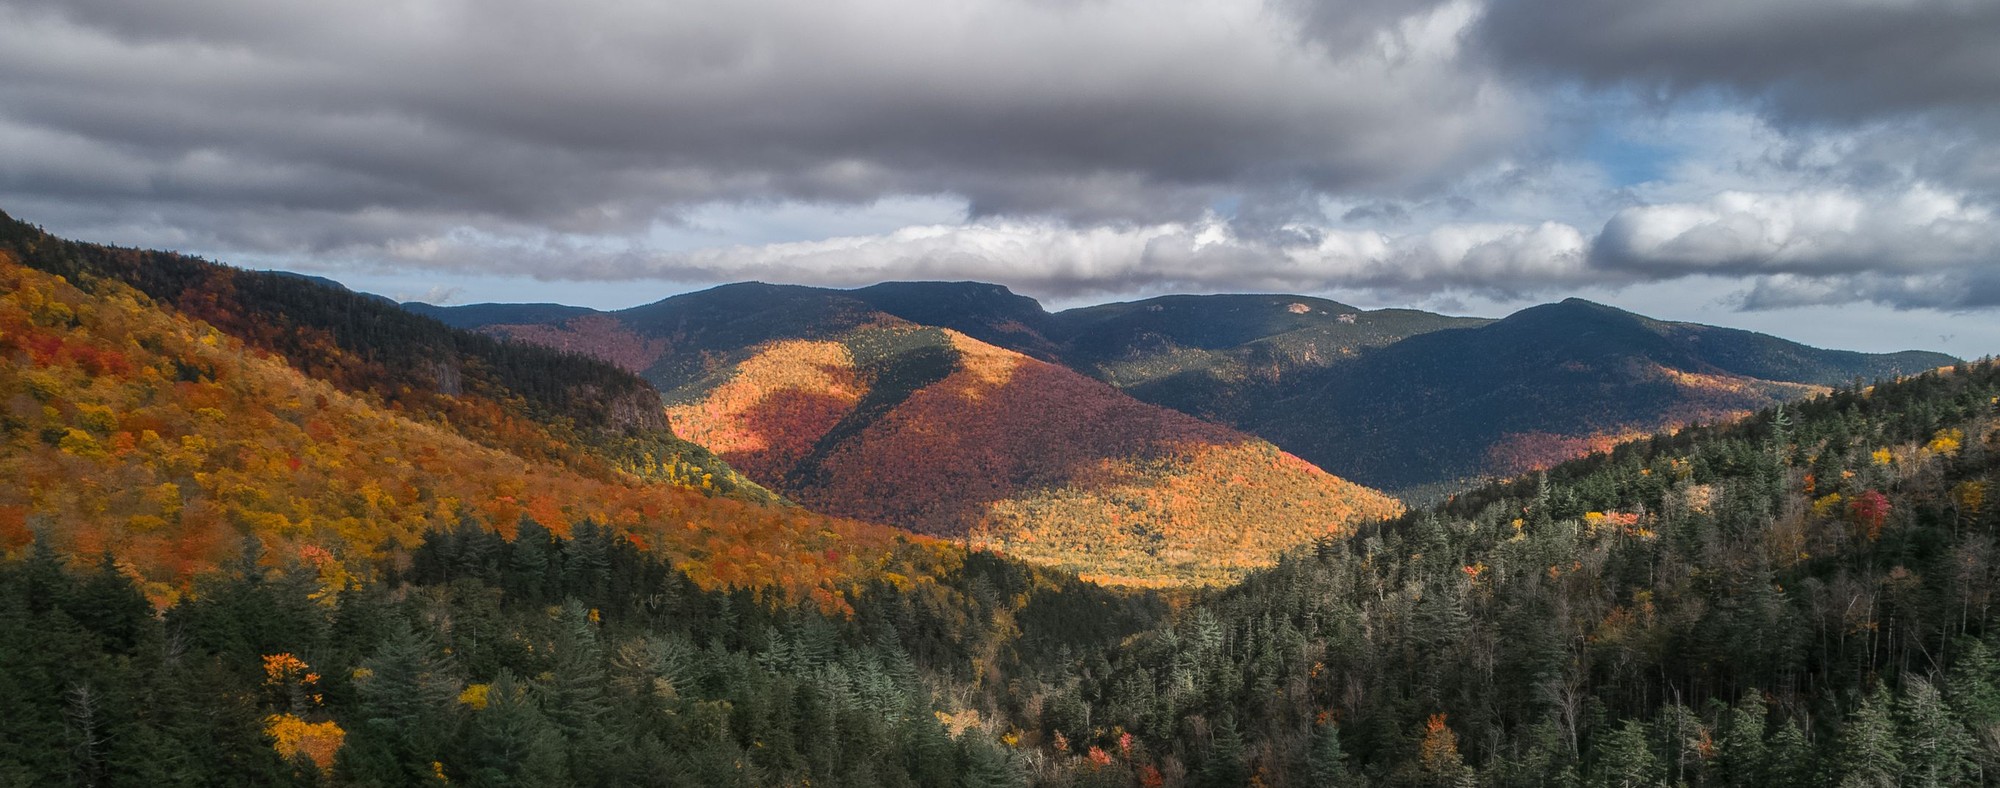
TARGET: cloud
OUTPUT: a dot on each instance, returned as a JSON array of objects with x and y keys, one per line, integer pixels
[
  {"x": 1956, "y": 290},
  {"x": 606, "y": 116},
  {"x": 1836, "y": 60},
  {"x": 1053, "y": 260},
  {"x": 1908, "y": 87},
  {"x": 1810, "y": 151},
  {"x": 1810, "y": 233}
]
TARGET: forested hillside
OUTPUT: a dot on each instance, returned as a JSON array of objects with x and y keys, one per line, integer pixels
[
  {"x": 859, "y": 413},
  {"x": 1397, "y": 399},
  {"x": 1401, "y": 399},
  {"x": 132, "y": 429},
  {"x": 941, "y": 433},
  {"x": 520, "y": 398},
  {"x": 532, "y": 661},
  {"x": 1410, "y": 401},
  {"x": 1800, "y": 599}
]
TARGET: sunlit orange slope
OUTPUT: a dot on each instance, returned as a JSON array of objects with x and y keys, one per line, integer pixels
[
  {"x": 940, "y": 433},
  {"x": 127, "y": 427}
]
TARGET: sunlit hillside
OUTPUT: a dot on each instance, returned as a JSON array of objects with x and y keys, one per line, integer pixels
[
  {"x": 177, "y": 448},
  {"x": 941, "y": 433}
]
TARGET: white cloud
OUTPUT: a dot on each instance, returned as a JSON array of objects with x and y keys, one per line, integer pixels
[
  {"x": 1809, "y": 233},
  {"x": 1071, "y": 148},
  {"x": 1054, "y": 260}
]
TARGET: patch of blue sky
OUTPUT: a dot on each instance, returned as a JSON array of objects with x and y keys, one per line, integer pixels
[{"x": 1625, "y": 160}]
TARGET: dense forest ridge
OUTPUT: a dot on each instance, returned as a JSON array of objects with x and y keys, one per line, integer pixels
[
  {"x": 134, "y": 429},
  {"x": 565, "y": 407},
  {"x": 1796, "y": 599},
  {"x": 859, "y": 413},
  {"x": 1801, "y": 598},
  {"x": 938, "y": 433},
  {"x": 1395, "y": 399}
]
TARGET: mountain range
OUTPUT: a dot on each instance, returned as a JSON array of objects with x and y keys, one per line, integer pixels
[
  {"x": 1177, "y": 440},
  {"x": 179, "y": 415},
  {"x": 257, "y": 529},
  {"x": 852, "y": 410},
  {"x": 1394, "y": 399}
]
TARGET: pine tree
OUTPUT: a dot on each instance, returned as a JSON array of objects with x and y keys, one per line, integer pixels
[
  {"x": 928, "y": 752},
  {"x": 1223, "y": 764},
  {"x": 587, "y": 562},
  {"x": 1973, "y": 690},
  {"x": 408, "y": 705},
  {"x": 108, "y": 604},
  {"x": 1936, "y": 747},
  {"x": 1867, "y": 754},
  {"x": 1741, "y": 754},
  {"x": 528, "y": 559},
  {"x": 44, "y": 582},
  {"x": 1789, "y": 761},
  {"x": 1625, "y": 760},
  {"x": 982, "y": 764},
  {"x": 573, "y": 694},
  {"x": 1327, "y": 761},
  {"x": 510, "y": 742}
]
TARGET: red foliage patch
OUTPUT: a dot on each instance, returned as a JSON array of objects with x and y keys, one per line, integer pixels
[
  {"x": 1870, "y": 510},
  {"x": 14, "y": 532}
]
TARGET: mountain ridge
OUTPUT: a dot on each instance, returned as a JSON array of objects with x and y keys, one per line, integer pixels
[
  {"x": 1331, "y": 382},
  {"x": 859, "y": 412},
  {"x": 174, "y": 449}
]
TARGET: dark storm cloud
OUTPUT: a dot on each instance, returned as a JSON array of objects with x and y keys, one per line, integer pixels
[
  {"x": 1915, "y": 82},
  {"x": 606, "y": 116},
  {"x": 1845, "y": 60},
  {"x": 1413, "y": 147}
]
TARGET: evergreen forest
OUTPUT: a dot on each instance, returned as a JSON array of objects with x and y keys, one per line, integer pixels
[{"x": 1800, "y": 598}]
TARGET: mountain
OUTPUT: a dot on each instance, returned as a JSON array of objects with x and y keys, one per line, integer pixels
[
  {"x": 986, "y": 312},
  {"x": 1394, "y": 399},
  {"x": 847, "y": 408},
  {"x": 565, "y": 407},
  {"x": 1540, "y": 386},
  {"x": 1796, "y": 598},
  {"x": 1219, "y": 356},
  {"x": 309, "y": 424},
  {"x": 1407, "y": 400}
]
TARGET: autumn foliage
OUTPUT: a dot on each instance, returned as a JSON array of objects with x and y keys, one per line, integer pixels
[
  {"x": 775, "y": 408},
  {"x": 133, "y": 429},
  {"x": 1020, "y": 455},
  {"x": 316, "y": 742}
]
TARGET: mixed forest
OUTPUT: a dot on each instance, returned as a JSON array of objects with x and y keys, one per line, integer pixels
[
  {"x": 128, "y": 425},
  {"x": 1412, "y": 402},
  {"x": 249, "y": 541},
  {"x": 856, "y": 412}
]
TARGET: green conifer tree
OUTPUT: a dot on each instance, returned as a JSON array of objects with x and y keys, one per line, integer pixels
[
  {"x": 1868, "y": 756},
  {"x": 1741, "y": 755},
  {"x": 1936, "y": 749}
]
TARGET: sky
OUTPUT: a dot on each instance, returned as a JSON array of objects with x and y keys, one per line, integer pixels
[{"x": 1825, "y": 170}]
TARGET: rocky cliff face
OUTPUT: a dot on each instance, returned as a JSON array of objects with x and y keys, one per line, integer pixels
[{"x": 637, "y": 410}]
